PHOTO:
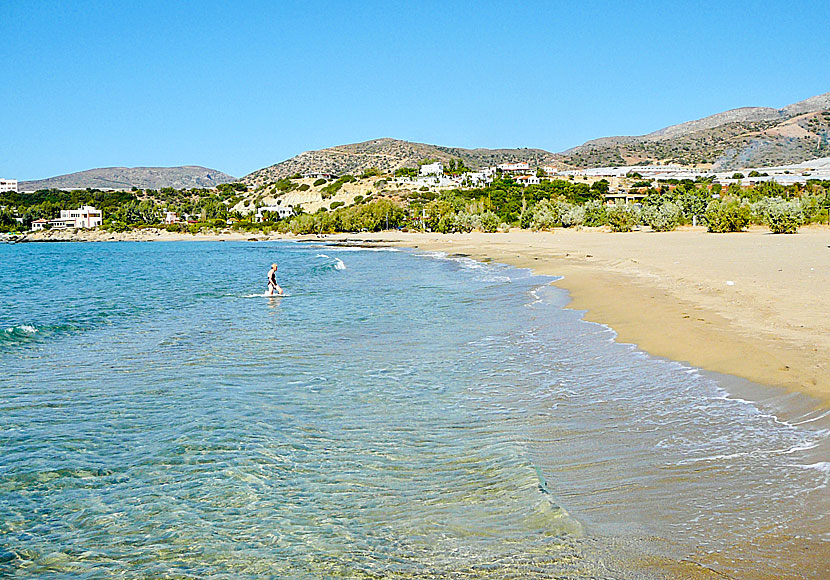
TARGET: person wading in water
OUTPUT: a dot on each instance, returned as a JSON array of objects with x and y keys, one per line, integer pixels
[{"x": 272, "y": 281}]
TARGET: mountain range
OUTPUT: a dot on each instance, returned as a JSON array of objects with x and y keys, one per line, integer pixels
[
  {"x": 738, "y": 138},
  {"x": 184, "y": 177}
]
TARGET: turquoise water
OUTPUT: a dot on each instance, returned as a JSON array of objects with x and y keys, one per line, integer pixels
[{"x": 397, "y": 415}]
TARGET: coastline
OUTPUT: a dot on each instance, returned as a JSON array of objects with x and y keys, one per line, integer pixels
[
  {"x": 752, "y": 304},
  {"x": 670, "y": 293}
]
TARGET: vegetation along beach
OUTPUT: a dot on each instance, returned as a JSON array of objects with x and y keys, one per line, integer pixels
[{"x": 415, "y": 291}]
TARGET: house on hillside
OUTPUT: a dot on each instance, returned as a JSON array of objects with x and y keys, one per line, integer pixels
[
  {"x": 514, "y": 168},
  {"x": 318, "y": 175},
  {"x": 528, "y": 179},
  {"x": 281, "y": 211},
  {"x": 432, "y": 169},
  {"x": 39, "y": 224}
]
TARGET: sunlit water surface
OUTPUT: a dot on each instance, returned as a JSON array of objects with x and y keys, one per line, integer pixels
[{"x": 397, "y": 415}]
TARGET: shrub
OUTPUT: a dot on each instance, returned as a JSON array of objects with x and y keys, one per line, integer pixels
[
  {"x": 466, "y": 221},
  {"x": 596, "y": 214},
  {"x": 664, "y": 217},
  {"x": 573, "y": 216},
  {"x": 727, "y": 215},
  {"x": 304, "y": 187},
  {"x": 446, "y": 223},
  {"x": 336, "y": 204},
  {"x": 622, "y": 217},
  {"x": 549, "y": 214},
  {"x": 319, "y": 182},
  {"x": 782, "y": 217},
  {"x": 489, "y": 222}
]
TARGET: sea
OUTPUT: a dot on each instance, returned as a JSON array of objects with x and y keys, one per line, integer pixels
[{"x": 398, "y": 414}]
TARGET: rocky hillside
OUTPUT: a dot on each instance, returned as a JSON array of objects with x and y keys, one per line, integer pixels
[
  {"x": 388, "y": 155},
  {"x": 185, "y": 177},
  {"x": 750, "y": 136}
]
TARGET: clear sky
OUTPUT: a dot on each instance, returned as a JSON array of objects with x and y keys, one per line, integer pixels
[{"x": 237, "y": 86}]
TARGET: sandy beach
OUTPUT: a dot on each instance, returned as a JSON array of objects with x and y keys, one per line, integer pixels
[{"x": 751, "y": 304}]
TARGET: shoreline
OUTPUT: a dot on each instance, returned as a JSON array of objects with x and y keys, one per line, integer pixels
[
  {"x": 751, "y": 304},
  {"x": 765, "y": 327}
]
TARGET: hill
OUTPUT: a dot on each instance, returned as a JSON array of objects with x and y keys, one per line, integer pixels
[
  {"x": 749, "y": 136},
  {"x": 388, "y": 155},
  {"x": 185, "y": 177}
]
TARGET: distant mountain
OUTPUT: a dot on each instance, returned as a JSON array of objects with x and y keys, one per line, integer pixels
[
  {"x": 389, "y": 155},
  {"x": 185, "y": 177},
  {"x": 745, "y": 137}
]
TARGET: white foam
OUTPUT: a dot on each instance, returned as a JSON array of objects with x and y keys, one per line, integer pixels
[
  {"x": 338, "y": 263},
  {"x": 28, "y": 329},
  {"x": 822, "y": 466}
]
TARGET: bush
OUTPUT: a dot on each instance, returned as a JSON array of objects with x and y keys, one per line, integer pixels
[
  {"x": 304, "y": 187},
  {"x": 489, "y": 222},
  {"x": 664, "y": 217},
  {"x": 466, "y": 221},
  {"x": 549, "y": 214},
  {"x": 622, "y": 217},
  {"x": 336, "y": 204},
  {"x": 727, "y": 215},
  {"x": 596, "y": 214},
  {"x": 573, "y": 216},
  {"x": 319, "y": 182},
  {"x": 782, "y": 217}
]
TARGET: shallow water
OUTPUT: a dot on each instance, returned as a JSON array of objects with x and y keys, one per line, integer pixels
[{"x": 397, "y": 415}]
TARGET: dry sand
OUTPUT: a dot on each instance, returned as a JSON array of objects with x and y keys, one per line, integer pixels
[{"x": 750, "y": 304}]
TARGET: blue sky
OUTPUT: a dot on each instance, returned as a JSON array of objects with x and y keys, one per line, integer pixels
[{"x": 241, "y": 85}]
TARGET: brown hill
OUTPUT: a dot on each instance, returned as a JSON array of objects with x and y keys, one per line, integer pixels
[{"x": 388, "y": 155}]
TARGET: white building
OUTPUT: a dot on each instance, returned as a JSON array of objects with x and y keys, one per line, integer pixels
[
  {"x": 38, "y": 225},
  {"x": 318, "y": 175},
  {"x": 83, "y": 217},
  {"x": 170, "y": 217},
  {"x": 8, "y": 185},
  {"x": 520, "y": 167},
  {"x": 528, "y": 180},
  {"x": 478, "y": 178},
  {"x": 432, "y": 169},
  {"x": 550, "y": 170},
  {"x": 282, "y": 211}
]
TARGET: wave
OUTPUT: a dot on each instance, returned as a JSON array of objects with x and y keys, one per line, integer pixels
[
  {"x": 26, "y": 333},
  {"x": 338, "y": 264},
  {"x": 20, "y": 333}
]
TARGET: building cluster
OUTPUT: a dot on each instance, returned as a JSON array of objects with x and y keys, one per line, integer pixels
[
  {"x": 784, "y": 174},
  {"x": 432, "y": 175}
]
